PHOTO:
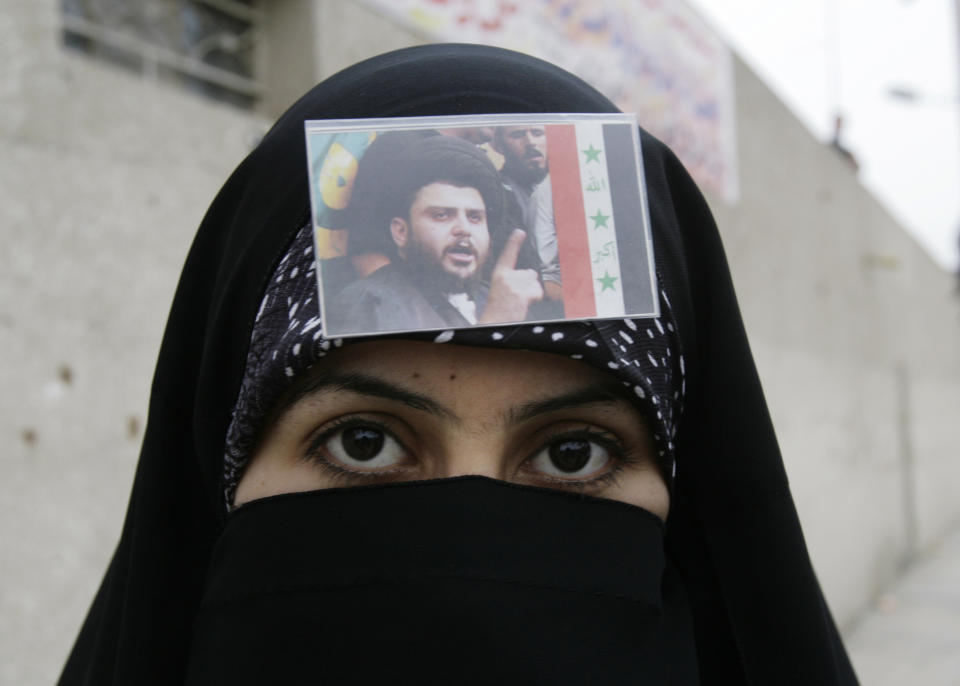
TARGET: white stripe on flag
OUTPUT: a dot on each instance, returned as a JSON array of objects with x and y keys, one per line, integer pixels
[{"x": 598, "y": 208}]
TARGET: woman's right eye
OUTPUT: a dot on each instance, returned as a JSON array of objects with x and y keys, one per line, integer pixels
[{"x": 362, "y": 447}]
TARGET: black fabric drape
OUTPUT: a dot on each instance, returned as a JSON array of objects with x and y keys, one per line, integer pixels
[
  {"x": 733, "y": 532},
  {"x": 466, "y": 580}
]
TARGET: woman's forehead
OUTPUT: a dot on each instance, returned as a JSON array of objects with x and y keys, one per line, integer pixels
[
  {"x": 396, "y": 356},
  {"x": 456, "y": 384},
  {"x": 457, "y": 372}
]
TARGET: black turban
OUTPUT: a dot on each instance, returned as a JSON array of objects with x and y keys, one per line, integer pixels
[{"x": 400, "y": 163}]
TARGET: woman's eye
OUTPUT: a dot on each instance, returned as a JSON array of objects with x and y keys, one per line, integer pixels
[
  {"x": 364, "y": 447},
  {"x": 571, "y": 458}
]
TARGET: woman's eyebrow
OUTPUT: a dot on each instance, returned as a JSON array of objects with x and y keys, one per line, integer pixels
[
  {"x": 363, "y": 384},
  {"x": 593, "y": 395}
]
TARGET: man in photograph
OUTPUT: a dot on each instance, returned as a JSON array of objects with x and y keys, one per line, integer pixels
[
  {"x": 438, "y": 204},
  {"x": 525, "y": 165},
  {"x": 526, "y": 179}
]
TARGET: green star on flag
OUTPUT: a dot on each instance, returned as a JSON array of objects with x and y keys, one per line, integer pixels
[
  {"x": 592, "y": 154},
  {"x": 600, "y": 219},
  {"x": 607, "y": 282}
]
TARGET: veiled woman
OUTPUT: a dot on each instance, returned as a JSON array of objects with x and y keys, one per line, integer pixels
[{"x": 599, "y": 502}]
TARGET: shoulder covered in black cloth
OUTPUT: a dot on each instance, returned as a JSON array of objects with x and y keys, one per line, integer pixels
[{"x": 732, "y": 545}]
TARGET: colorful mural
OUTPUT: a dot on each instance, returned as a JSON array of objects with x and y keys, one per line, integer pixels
[{"x": 655, "y": 58}]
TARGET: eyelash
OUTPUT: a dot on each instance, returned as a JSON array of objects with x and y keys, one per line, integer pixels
[
  {"x": 341, "y": 474},
  {"x": 620, "y": 458}
]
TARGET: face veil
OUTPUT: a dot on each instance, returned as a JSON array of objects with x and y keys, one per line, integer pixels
[{"x": 732, "y": 539}]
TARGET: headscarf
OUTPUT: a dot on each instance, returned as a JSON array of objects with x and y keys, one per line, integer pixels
[
  {"x": 287, "y": 341},
  {"x": 733, "y": 534}
]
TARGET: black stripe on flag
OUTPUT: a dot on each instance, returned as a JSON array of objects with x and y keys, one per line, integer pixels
[{"x": 628, "y": 218}]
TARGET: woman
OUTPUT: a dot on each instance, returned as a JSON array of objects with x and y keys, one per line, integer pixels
[{"x": 528, "y": 567}]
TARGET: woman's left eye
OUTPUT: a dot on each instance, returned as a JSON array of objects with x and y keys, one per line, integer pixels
[{"x": 573, "y": 457}]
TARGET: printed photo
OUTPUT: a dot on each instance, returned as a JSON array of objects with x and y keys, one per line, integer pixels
[{"x": 440, "y": 223}]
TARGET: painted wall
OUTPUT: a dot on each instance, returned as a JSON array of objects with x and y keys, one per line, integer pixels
[{"x": 104, "y": 178}]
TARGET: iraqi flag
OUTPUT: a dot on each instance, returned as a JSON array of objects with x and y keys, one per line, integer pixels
[{"x": 601, "y": 220}]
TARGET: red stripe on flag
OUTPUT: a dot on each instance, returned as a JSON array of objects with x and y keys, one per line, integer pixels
[{"x": 570, "y": 221}]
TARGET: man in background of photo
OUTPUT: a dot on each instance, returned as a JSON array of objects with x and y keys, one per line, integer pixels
[
  {"x": 525, "y": 165},
  {"x": 526, "y": 178}
]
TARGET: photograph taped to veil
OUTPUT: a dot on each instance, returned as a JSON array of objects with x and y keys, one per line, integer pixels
[{"x": 439, "y": 223}]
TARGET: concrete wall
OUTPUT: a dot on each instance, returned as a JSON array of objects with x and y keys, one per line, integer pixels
[
  {"x": 103, "y": 181},
  {"x": 856, "y": 334},
  {"x": 104, "y": 178},
  {"x": 309, "y": 40}
]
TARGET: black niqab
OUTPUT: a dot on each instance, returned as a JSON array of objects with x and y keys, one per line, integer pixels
[
  {"x": 454, "y": 581},
  {"x": 733, "y": 535}
]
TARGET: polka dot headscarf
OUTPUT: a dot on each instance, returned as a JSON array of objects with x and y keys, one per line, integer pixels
[{"x": 287, "y": 341}]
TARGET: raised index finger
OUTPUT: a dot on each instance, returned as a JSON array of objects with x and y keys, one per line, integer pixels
[{"x": 511, "y": 251}]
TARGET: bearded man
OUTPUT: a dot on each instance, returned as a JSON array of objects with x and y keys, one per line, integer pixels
[
  {"x": 525, "y": 165},
  {"x": 444, "y": 199}
]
